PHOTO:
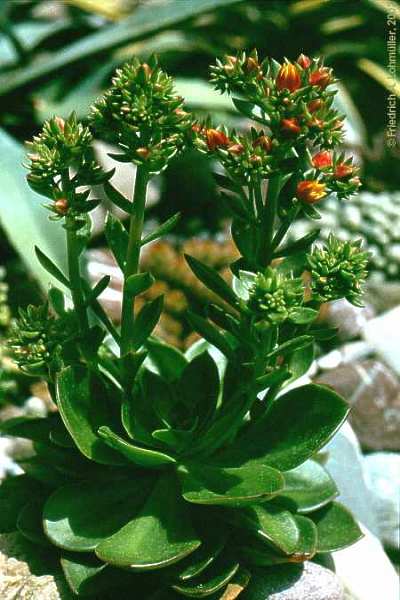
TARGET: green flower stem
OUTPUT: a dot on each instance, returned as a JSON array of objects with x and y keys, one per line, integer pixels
[
  {"x": 133, "y": 255},
  {"x": 268, "y": 220},
  {"x": 74, "y": 275}
]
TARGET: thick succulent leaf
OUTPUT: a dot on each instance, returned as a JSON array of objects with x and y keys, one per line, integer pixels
[
  {"x": 300, "y": 361},
  {"x": 212, "y": 543},
  {"x": 177, "y": 439},
  {"x": 30, "y": 523},
  {"x": 137, "y": 414},
  {"x": 198, "y": 387},
  {"x": 166, "y": 360},
  {"x": 307, "y": 545},
  {"x": 117, "y": 238},
  {"x": 84, "y": 406},
  {"x": 236, "y": 585},
  {"x": 15, "y": 493},
  {"x": 336, "y": 527},
  {"x": 212, "y": 280},
  {"x": 59, "y": 435},
  {"x": 85, "y": 574},
  {"x": 211, "y": 581},
  {"x": 143, "y": 457},
  {"x": 296, "y": 426},
  {"x": 250, "y": 484},
  {"x": 79, "y": 516},
  {"x": 309, "y": 486},
  {"x": 160, "y": 535},
  {"x": 271, "y": 523}
]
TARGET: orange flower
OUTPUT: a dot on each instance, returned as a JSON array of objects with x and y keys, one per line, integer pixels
[
  {"x": 143, "y": 153},
  {"x": 315, "y": 105},
  {"x": 321, "y": 77},
  {"x": 304, "y": 61},
  {"x": 216, "y": 138},
  {"x": 342, "y": 171},
  {"x": 290, "y": 125},
  {"x": 310, "y": 191},
  {"x": 288, "y": 78},
  {"x": 263, "y": 142},
  {"x": 322, "y": 159}
]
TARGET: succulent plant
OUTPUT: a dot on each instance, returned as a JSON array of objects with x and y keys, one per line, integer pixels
[{"x": 177, "y": 474}]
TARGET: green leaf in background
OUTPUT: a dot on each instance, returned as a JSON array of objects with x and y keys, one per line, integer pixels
[
  {"x": 15, "y": 493},
  {"x": 159, "y": 536},
  {"x": 22, "y": 217},
  {"x": 145, "y": 21}
]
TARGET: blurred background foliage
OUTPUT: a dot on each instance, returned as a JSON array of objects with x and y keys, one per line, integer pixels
[{"x": 58, "y": 56}]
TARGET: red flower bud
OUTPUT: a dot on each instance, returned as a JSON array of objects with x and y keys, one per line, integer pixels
[
  {"x": 342, "y": 170},
  {"x": 216, "y": 138},
  {"x": 304, "y": 61},
  {"x": 263, "y": 142},
  {"x": 310, "y": 191},
  {"x": 322, "y": 159},
  {"x": 236, "y": 149},
  {"x": 288, "y": 78},
  {"x": 61, "y": 206},
  {"x": 290, "y": 126},
  {"x": 315, "y": 105},
  {"x": 321, "y": 77}
]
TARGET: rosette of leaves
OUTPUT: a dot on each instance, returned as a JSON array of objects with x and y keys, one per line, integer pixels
[{"x": 176, "y": 474}]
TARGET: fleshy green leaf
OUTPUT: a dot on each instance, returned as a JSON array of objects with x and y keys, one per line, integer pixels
[
  {"x": 210, "y": 333},
  {"x": 35, "y": 429},
  {"x": 139, "y": 283},
  {"x": 336, "y": 527},
  {"x": 117, "y": 198},
  {"x": 291, "y": 345},
  {"x": 117, "y": 239},
  {"x": 303, "y": 315},
  {"x": 310, "y": 486},
  {"x": 300, "y": 361},
  {"x": 146, "y": 320},
  {"x": 84, "y": 406},
  {"x": 213, "y": 541},
  {"x": 212, "y": 280},
  {"x": 160, "y": 535},
  {"x": 296, "y": 426},
  {"x": 143, "y": 457},
  {"x": 162, "y": 229},
  {"x": 307, "y": 545},
  {"x": 271, "y": 523},
  {"x": 51, "y": 268},
  {"x": 169, "y": 362},
  {"x": 79, "y": 516},
  {"x": 213, "y": 580},
  {"x": 198, "y": 387},
  {"x": 251, "y": 484}
]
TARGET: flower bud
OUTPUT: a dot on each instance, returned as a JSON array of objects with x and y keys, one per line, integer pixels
[
  {"x": 288, "y": 78},
  {"x": 61, "y": 206},
  {"x": 147, "y": 70},
  {"x": 144, "y": 153},
  {"x": 314, "y": 122},
  {"x": 290, "y": 126},
  {"x": 304, "y": 61},
  {"x": 315, "y": 105},
  {"x": 60, "y": 123},
  {"x": 322, "y": 159},
  {"x": 251, "y": 65},
  {"x": 310, "y": 191},
  {"x": 321, "y": 77},
  {"x": 263, "y": 142},
  {"x": 236, "y": 149},
  {"x": 216, "y": 138},
  {"x": 342, "y": 170}
]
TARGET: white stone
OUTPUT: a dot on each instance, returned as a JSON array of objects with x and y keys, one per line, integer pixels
[{"x": 383, "y": 334}]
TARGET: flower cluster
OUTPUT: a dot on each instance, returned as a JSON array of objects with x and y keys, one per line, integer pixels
[
  {"x": 142, "y": 114},
  {"x": 36, "y": 339},
  {"x": 61, "y": 157},
  {"x": 338, "y": 270},
  {"x": 270, "y": 296}
]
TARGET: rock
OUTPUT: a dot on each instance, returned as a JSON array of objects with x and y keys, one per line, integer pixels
[
  {"x": 345, "y": 464},
  {"x": 365, "y": 571},
  {"x": 350, "y": 320},
  {"x": 382, "y": 334},
  {"x": 24, "y": 572},
  {"x": 373, "y": 391},
  {"x": 294, "y": 582},
  {"x": 382, "y": 471}
]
